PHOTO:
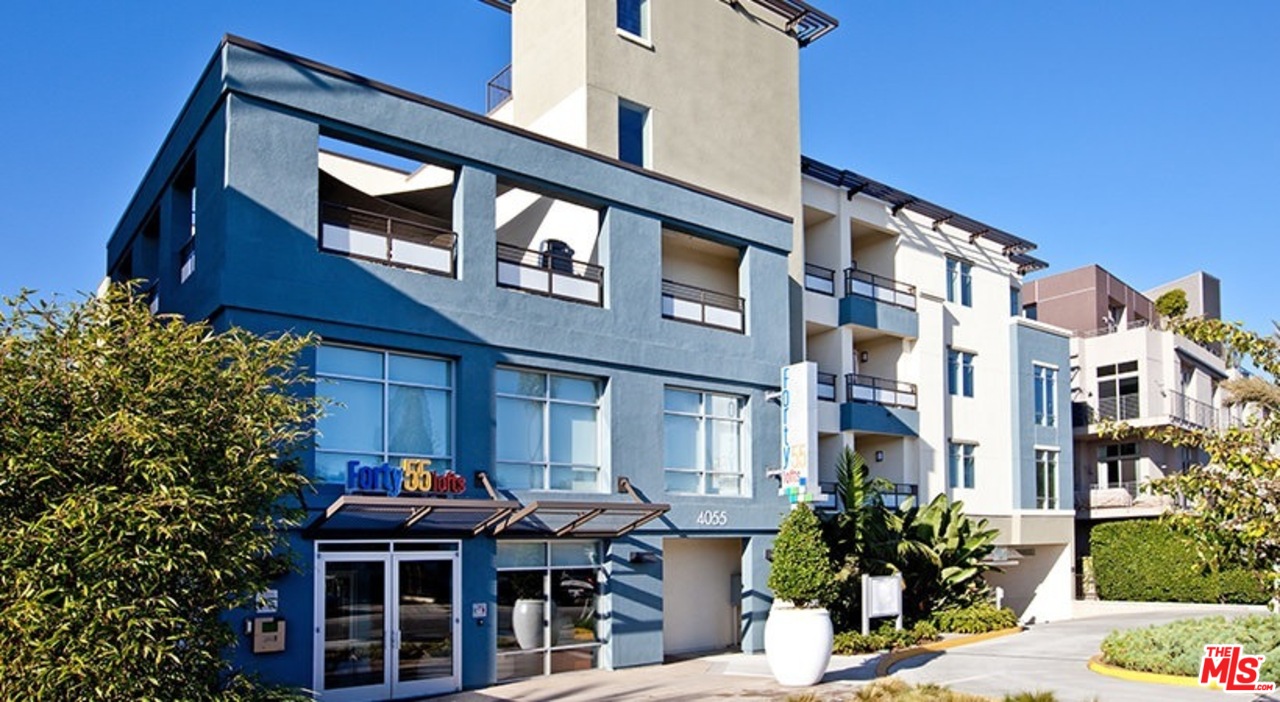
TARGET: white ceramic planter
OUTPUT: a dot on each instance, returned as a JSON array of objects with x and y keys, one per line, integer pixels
[
  {"x": 526, "y": 622},
  {"x": 797, "y": 644}
]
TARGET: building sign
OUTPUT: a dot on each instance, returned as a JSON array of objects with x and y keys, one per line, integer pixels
[
  {"x": 410, "y": 476},
  {"x": 800, "y": 433}
]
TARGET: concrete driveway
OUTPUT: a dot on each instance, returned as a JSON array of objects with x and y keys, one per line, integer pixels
[{"x": 1053, "y": 657}]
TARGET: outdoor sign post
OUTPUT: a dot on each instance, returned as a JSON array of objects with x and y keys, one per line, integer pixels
[
  {"x": 881, "y": 597},
  {"x": 799, "y": 399}
]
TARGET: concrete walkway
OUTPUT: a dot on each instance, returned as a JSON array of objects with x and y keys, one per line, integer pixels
[{"x": 1049, "y": 656}]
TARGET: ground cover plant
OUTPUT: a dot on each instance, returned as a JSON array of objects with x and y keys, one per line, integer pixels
[
  {"x": 142, "y": 496},
  {"x": 885, "y": 638},
  {"x": 1176, "y": 648},
  {"x": 895, "y": 690},
  {"x": 977, "y": 619}
]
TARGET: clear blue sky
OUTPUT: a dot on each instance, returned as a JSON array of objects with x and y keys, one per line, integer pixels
[{"x": 1141, "y": 136}]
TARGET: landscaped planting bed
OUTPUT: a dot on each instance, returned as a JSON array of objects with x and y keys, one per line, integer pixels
[{"x": 1176, "y": 648}]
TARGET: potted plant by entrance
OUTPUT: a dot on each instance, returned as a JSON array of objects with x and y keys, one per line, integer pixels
[
  {"x": 529, "y": 614},
  {"x": 798, "y": 635}
]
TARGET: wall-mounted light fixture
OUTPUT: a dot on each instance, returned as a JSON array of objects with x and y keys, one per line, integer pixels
[
  {"x": 768, "y": 555},
  {"x": 863, "y": 356},
  {"x": 879, "y": 456}
]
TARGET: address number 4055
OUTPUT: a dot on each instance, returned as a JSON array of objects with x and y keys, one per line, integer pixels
[{"x": 712, "y": 517}]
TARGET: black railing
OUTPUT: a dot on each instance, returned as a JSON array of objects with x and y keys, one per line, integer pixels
[
  {"x": 879, "y": 288},
  {"x": 550, "y": 274},
  {"x": 826, "y": 386},
  {"x": 1196, "y": 413},
  {"x": 497, "y": 90},
  {"x": 820, "y": 280},
  {"x": 376, "y": 237},
  {"x": 880, "y": 391},
  {"x": 1119, "y": 408},
  {"x": 689, "y": 303}
]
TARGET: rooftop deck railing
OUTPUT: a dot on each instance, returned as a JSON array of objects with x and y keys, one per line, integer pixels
[
  {"x": 870, "y": 285},
  {"x": 689, "y": 303},
  {"x": 497, "y": 90},
  {"x": 550, "y": 274},
  {"x": 383, "y": 239}
]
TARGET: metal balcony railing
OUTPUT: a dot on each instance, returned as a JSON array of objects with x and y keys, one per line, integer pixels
[
  {"x": 497, "y": 90},
  {"x": 549, "y": 274},
  {"x": 689, "y": 303},
  {"x": 826, "y": 386},
  {"x": 820, "y": 280},
  {"x": 1189, "y": 410},
  {"x": 187, "y": 260},
  {"x": 880, "y": 391},
  {"x": 1119, "y": 408},
  {"x": 879, "y": 288},
  {"x": 1112, "y": 328},
  {"x": 388, "y": 240}
]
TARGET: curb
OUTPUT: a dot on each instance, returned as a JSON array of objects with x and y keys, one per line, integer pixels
[
  {"x": 893, "y": 658},
  {"x": 1097, "y": 666}
]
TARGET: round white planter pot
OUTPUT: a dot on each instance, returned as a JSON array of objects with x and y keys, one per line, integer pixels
[
  {"x": 527, "y": 622},
  {"x": 797, "y": 644}
]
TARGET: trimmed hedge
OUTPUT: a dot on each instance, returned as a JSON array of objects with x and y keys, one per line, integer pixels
[
  {"x": 978, "y": 619},
  {"x": 886, "y": 638},
  {"x": 1176, "y": 648},
  {"x": 1146, "y": 560}
]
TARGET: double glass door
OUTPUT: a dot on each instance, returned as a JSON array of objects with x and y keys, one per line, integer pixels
[{"x": 386, "y": 624}]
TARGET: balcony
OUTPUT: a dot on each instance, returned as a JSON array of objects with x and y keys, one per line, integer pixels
[
  {"x": 688, "y": 303},
  {"x": 388, "y": 240},
  {"x": 1196, "y": 414},
  {"x": 826, "y": 387},
  {"x": 879, "y": 303},
  {"x": 1128, "y": 499},
  {"x": 879, "y": 406},
  {"x": 893, "y": 499},
  {"x": 819, "y": 280},
  {"x": 550, "y": 273},
  {"x": 497, "y": 90}
]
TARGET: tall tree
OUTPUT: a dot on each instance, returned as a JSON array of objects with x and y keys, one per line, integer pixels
[{"x": 142, "y": 495}]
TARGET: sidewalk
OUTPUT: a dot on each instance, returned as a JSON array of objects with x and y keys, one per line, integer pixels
[
  {"x": 1083, "y": 609},
  {"x": 735, "y": 676}
]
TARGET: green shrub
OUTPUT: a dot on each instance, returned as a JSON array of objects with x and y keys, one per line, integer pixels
[
  {"x": 1038, "y": 696},
  {"x": 1146, "y": 560},
  {"x": 895, "y": 690},
  {"x": 1173, "y": 303},
  {"x": 886, "y": 638},
  {"x": 978, "y": 619},
  {"x": 1176, "y": 648},
  {"x": 802, "y": 573}
]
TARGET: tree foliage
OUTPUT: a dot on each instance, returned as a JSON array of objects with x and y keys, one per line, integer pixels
[
  {"x": 1232, "y": 503},
  {"x": 1172, "y": 304},
  {"x": 142, "y": 496},
  {"x": 801, "y": 573}
]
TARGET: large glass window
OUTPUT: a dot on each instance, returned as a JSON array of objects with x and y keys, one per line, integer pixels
[
  {"x": 1046, "y": 383},
  {"x": 702, "y": 443},
  {"x": 1118, "y": 391},
  {"x": 548, "y": 431},
  {"x": 960, "y": 465},
  {"x": 390, "y": 407},
  {"x": 1118, "y": 466},
  {"x": 1046, "y": 479},
  {"x": 633, "y": 133},
  {"x": 960, "y": 372},
  {"x": 548, "y": 600},
  {"x": 960, "y": 282}
]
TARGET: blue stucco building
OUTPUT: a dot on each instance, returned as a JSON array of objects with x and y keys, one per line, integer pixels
[{"x": 603, "y": 411}]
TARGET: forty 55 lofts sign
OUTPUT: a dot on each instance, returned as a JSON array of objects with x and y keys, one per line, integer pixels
[{"x": 800, "y": 433}]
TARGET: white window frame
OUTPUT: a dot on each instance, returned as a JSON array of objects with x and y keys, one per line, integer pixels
[
  {"x": 643, "y": 35},
  {"x": 546, "y": 401},
  {"x": 1046, "y": 416},
  {"x": 704, "y": 416},
  {"x": 1047, "y": 460},
  {"x": 962, "y": 464},
  {"x": 960, "y": 362},
  {"x": 960, "y": 281},
  {"x": 386, "y": 383}
]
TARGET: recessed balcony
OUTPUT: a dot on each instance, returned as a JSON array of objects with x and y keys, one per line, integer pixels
[
  {"x": 880, "y": 406},
  {"x": 689, "y": 303},
  {"x": 882, "y": 304},
  {"x": 552, "y": 272}
]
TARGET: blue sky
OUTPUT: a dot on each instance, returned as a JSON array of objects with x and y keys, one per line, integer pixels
[{"x": 1141, "y": 136}]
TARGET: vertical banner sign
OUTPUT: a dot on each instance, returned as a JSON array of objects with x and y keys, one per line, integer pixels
[{"x": 800, "y": 433}]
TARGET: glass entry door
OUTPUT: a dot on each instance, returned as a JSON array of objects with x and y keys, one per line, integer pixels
[{"x": 386, "y": 625}]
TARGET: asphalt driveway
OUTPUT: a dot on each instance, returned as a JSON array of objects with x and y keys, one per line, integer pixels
[{"x": 1053, "y": 657}]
